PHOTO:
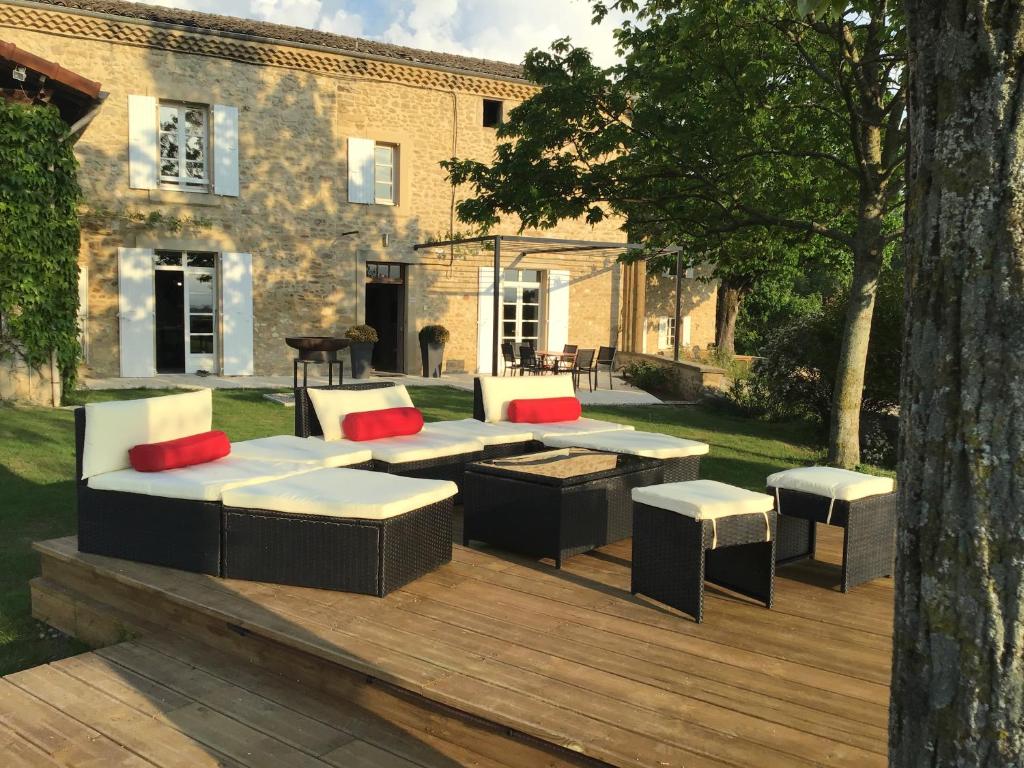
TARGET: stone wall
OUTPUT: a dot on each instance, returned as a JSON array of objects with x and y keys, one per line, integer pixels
[
  {"x": 20, "y": 382},
  {"x": 292, "y": 209},
  {"x": 687, "y": 379},
  {"x": 699, "y": 297}
]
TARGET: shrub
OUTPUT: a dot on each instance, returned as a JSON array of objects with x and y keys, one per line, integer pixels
[
  {"x": 795, "y": 376},
  {"x": 434, "y": 334},
  {"x": 39, "y": 231},
  {"x": 645, "y": 375},
  {"x": 362, "y": 334}
]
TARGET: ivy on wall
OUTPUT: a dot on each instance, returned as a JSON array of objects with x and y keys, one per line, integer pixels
[{"x": 39, "y": 236}]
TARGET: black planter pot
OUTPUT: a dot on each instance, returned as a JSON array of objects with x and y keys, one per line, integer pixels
[
  {"x": 362, "y": 356},
  {"x": 433, "y": 356}
]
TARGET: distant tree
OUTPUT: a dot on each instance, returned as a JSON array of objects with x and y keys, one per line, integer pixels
[
  {"x": 725, "y": 117},
  {"x": 958, "y": 672}
]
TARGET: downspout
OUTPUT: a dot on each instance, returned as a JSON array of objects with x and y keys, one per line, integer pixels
[{"x": 451, "y": 208}]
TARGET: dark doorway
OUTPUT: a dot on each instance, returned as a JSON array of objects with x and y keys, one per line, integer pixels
[
  {"x": 170, "y": 321},
  {"x": 385, "y": 312}
]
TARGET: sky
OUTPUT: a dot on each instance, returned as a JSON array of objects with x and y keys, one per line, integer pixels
[{"x": 492, "y": 29}]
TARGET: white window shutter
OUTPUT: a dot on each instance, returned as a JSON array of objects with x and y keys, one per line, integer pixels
[
  {"x": 685, "y": 338},
  {"x": 662, "y": 332},
  {"x": 361, "y": 170},
  {"x": 143, "y": 143},
  {"x": 558, "y": 308},
  {"x": 690, "y": 273},
  {"x": 136, "y": 307},
  {"x": 236, "y": 316},
  {"x": 485, "y": 320},
  {"x": 225, "y": 150}
]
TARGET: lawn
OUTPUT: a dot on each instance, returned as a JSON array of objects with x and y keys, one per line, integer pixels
[{"x": 37, "y": 467}]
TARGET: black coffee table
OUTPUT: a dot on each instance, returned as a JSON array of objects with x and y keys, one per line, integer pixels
[{"x": 556, "y": 503}]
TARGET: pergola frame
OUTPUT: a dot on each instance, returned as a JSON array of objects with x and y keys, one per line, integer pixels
[{"x": 524, "y": 244}]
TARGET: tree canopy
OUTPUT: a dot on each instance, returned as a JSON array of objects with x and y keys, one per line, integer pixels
[{"x": 727, "y": 122}]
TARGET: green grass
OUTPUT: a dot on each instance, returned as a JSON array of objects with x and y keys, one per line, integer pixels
[{"x": 37, "y": 468}]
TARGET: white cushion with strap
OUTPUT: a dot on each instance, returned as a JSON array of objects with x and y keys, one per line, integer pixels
[
  {"x": 707, "y": 500},
  {"x": 832, "y": 483}
]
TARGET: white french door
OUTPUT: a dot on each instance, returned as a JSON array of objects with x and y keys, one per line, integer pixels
[
  {"x": 521, "y": 304},
  {"x": 197, "y": 279}
]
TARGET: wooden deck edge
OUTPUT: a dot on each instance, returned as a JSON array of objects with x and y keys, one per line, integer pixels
[{"x": 101, "y": 609}]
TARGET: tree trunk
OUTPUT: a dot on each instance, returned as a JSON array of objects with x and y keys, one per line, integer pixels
[
  {"x": 958, "y": 671},
  {"x": 848, "y": 392},
  {"x": 728, "y": 309}
]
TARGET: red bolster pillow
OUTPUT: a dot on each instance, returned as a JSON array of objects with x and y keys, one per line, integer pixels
[
  {"x": 544, "y": 410},
  {"x": 387, "y": 422},
  {"x": 183, "y": 452}
]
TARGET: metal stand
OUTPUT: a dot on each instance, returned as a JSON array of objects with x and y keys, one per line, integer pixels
[{"x": 305, "y": 371}]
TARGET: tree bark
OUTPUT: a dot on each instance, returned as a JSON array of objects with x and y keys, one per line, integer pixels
[
  {"x": 958, "y": 671},
  {"x": 848, "y": 394},
  {"x": 730, "y": 297}
]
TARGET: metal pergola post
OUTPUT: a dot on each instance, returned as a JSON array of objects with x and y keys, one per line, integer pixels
[
  {"x": 496, "y": 309},
  {"x": 679, "y": 304}
]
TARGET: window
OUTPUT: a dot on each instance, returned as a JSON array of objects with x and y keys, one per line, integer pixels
[
  {"x": 184, "y": 146},
  {"x": 493, "y": 110},
  {"x": 377, "y": 272},
  {"x": 670, "y": 335},
  {"x": 521, "y": 297},
  {"x": 384, "y": 156}
]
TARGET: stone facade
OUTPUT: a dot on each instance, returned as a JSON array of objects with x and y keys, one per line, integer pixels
[
  {"x": 699, "y": 297},
  {"x": 296, "y": 111}
]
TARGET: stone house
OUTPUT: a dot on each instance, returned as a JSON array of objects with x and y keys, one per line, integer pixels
[{"x": 247, "y": 181}]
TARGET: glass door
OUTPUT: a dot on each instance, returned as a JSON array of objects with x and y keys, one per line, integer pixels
[
  {"x": 187, "y": 316},
  {"x": 521, "y": 297}
]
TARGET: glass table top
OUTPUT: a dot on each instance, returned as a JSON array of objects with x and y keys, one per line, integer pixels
[{"x": 564, "y": 465}]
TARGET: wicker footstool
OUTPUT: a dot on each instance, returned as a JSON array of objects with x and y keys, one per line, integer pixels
[
  {"x": 344, "y": 529},
  {"x": 686, "y": 533},
  {"x": 864, "y": 506}
]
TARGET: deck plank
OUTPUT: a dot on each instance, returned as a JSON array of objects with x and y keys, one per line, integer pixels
[{"x": 567, "y": 656}]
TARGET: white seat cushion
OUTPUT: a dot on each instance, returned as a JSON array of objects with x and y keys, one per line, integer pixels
[
  {"x": 421, "y": 446},
  {"x": 202, "y": 482},
  {"x": 501, "y": 433},
  {"x": 114, "y": 428},
  {"x": 333, "y": 405},
  {"x": 342, "y": 493},
  {"x": 582, "y": 426},
  {"x": 832, "y": 483},
  {"x": 302, "y": 450},
  {"x": 651, "y": 445},
  {"x": 497, "y": 392},
  {"x": 704, "y": 499}
]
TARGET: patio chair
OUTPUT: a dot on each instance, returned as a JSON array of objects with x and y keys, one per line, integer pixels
[
  {"x": 508, "y": 354},
  {"x": 605, "y": 356},
  {"x": 567, "y": 362},
  {"x": 529, "y": 362},
  {"x": 584, "y": 364}
]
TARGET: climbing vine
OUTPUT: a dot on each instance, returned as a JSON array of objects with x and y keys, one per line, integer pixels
[{"x": 39, "y": 236}]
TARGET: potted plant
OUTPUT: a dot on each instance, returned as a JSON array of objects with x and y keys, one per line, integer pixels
[
  {"x": 432, "y": 341},
  {"x": 363, "y": 337}
]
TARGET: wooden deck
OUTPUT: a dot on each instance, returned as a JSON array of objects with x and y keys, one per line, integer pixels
[{"x": 491, "y": 660}]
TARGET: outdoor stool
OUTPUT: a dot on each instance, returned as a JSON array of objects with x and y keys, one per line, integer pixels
[
  {"x": 864, "y": 506},
  {"x": 701, "y": 530}
]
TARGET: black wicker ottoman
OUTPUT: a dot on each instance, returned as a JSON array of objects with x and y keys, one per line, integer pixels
[
  {"x": 687, "y": 533},
  {"x": 554, "y": 503},
  {"x": 864, "y": 506},
  {"x": 342, "y": 529},
  {"x": 679, "y": 458}
]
